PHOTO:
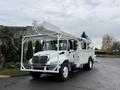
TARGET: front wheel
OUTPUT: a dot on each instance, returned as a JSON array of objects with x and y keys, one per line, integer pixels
[{"x": 64, "y": 72}]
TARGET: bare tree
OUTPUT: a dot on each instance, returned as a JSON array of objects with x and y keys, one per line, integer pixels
[
  {"x": 116, "y": 46},
  {"x": 107, "y": 43}
]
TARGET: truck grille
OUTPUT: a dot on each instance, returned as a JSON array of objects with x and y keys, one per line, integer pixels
[{"x": 39, "y": 60}]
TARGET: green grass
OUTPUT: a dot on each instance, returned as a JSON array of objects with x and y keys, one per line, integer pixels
[{"x": 12, "y": 72}]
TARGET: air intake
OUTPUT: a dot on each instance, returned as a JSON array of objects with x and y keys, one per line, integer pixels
[{"x": 40, "y": 60}]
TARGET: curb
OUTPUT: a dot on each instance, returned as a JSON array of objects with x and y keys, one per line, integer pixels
[
  {"x": 20, "y": 75},
  {"x": 4, "y": 76},
  {"x": 8, "y": 76}
]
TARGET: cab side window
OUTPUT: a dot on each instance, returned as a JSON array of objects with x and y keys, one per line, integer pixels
[
  {"x": 84, "y": 45},
  {"x": 72, "y": 44},
  {"x": 75, "y": 45}
]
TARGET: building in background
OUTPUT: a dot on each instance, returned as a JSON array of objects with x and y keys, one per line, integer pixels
[{"x": 19, "y": 31}]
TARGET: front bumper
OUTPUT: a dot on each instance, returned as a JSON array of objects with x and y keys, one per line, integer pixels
[{"x": 42, "y": 69}]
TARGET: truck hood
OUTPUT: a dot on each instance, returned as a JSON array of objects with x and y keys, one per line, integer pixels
[{"x": 50, "y": 53}]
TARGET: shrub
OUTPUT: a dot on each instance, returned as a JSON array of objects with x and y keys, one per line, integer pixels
[
  {"x": 29, "y": 52},
  {"x": 38, "y": 46}
]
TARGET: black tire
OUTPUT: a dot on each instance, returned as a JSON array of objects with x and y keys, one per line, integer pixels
[
  {"x": 35, "y": 75},
  {"x": 89, "y": 65},
  {"x": 64, "y": 71}
]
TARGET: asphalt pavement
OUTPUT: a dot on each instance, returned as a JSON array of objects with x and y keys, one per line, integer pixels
[{"x": 104, "y": 76}]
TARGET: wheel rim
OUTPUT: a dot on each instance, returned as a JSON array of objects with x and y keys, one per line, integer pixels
[
  {"x": 65, "y": 72},
  {"x": 90, "y": 64}
]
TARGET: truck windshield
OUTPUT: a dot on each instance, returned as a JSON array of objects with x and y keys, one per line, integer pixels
[{"x": 52, "y": 45}]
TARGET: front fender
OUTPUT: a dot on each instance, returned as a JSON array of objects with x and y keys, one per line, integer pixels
[
  {"x": 62, "y": 58},
  {"x": 56, "y": 60}
]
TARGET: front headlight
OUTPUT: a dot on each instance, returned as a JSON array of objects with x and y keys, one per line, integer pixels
[
  {"x": 48, "y": 57},
  {"x": 30, "y": 61}
]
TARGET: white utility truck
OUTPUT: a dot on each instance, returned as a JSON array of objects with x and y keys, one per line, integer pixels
[{"x": 61, "y": 53}]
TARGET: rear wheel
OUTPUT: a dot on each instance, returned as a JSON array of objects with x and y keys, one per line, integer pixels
[
  {"x": 89, "y": 65},
  {"x": 64, "y": 72},
  {"x": 35, "y": 75}
]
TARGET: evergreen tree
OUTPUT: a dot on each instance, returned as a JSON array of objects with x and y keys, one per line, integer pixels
[
  {"x": 8, "y": 49},
  {"x": 38, "y": 46},
  {"x": 29, "y": 52},
  {"x": 18, "y": 42}
]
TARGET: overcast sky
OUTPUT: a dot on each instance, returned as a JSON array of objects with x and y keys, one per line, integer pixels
[{"x": 95, "y": 17}]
